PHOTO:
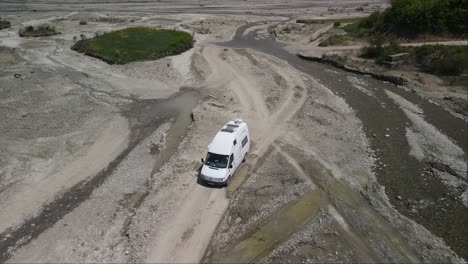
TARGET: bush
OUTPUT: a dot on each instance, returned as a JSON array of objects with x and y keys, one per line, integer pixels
[
  {"x": 409, "y": 18},
  {"x": 135, "y": 44},
  {"x": 4, "y": 23},
  {"x": 333, "y": 40},
  {"x": 435, "y": 59},
  {"x": 337, "y": 24},
  {"x": 442, "y": 60},
  {"x": 40, "y": 31},
  {"x": 377, "y": 47},
  {"x": 82, "y": 22}
]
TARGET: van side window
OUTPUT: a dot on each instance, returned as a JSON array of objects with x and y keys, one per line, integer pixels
[{"x": 244, "y": 141}]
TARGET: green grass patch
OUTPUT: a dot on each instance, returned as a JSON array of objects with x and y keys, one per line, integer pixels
[
  {"x": 135, "y": 44},
  {"x": 4, "y": 23},
  {"x": 460, "y": 80},
  {"x": 333, "y": 40},
  {"x": 440, "y": 60},
  {"x": 39, "y": 31},
  {"x": 329, "y": 20}
]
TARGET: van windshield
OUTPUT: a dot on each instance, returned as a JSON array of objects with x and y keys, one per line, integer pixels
[{"x": 216, "y": 160}]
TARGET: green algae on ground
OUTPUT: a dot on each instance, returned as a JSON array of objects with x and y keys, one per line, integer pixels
[{"x": 278, "y": 228}]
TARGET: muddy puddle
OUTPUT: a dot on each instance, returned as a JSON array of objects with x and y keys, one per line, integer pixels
[
  {"x": 182, "y": 106},
  {"x": 385, "y": 124},
  {"x": 8, "y": 57},
  {"x": 144, "y": 116},
  {"x": 276, "y": 229},
  {"x": 330, "y": 195},
  {"x": 35, "y": 44}
]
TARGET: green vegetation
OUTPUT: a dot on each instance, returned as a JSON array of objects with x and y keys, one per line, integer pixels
[
  {"x": 460, "y": 80},
  {"x": 329, "y": 20},
  {"x": 4, "y": 23},
  {"x": 410, "y": 18},
  {"x": 333, "y": 40},
  {"x": 435, "y": 59},
  {"x": 39, "y": 31},
  {"x": 135, "y": 44},
  {"x": 442, "y": 60}
]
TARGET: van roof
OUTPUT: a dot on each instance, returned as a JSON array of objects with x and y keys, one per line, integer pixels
[{"x": 223, "y": 141}]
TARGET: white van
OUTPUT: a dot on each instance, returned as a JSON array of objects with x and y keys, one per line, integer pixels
[{"x": 225, "y": 153}]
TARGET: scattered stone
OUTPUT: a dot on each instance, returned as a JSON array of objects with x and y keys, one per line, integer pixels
[
  {"x": 398, "y": 197},
  {"x": 17, "y": 75},
  {"x": 387, "y": 135},
  {"x": 154, "y": 148}
]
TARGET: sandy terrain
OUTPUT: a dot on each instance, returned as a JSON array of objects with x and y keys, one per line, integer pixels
[{"x": 99, "y": 162}]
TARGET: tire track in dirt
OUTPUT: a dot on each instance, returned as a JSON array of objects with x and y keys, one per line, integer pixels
[{"x": 189, "y": 230}]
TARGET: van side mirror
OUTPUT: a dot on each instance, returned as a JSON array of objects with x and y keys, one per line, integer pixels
[
  {"x": 202, "y": 161},
  {"x": 230, "y": 166}
]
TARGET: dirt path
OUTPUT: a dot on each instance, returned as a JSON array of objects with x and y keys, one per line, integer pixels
[
  {"x": 190, "y": 229},
  {"x": 188, "y": 232}
]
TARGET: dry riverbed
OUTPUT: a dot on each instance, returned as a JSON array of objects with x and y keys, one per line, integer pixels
[{"x": 99, "y": 162}]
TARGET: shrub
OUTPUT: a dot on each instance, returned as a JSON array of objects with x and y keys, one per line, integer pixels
[
  {"x": 435, "y": 59},
  {"x": 4, "y": 23},
  {"x": 410, "y": 18},
  {"x": 39, "y": 31},
  {"x": 82, "y": 22},
  {"x": 333, "y": 40},
  {"x": 337, "y": 24},
  {"x": 442, "y": 60}
]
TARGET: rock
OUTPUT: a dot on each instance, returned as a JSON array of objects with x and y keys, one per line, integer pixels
[
  {"x": 7, "y": 235},
  {"x": 17, "y": 75},
  {"x": 127, "y": 252},
  {"x": 387, "y": 135},
  {"x": 398, "y": 197},
  {"x": 154, "y": 148},
  {"x": 238, "y": 220}
]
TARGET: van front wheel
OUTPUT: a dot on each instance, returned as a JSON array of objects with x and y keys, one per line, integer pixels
[{"x": 228, "y": 181}]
